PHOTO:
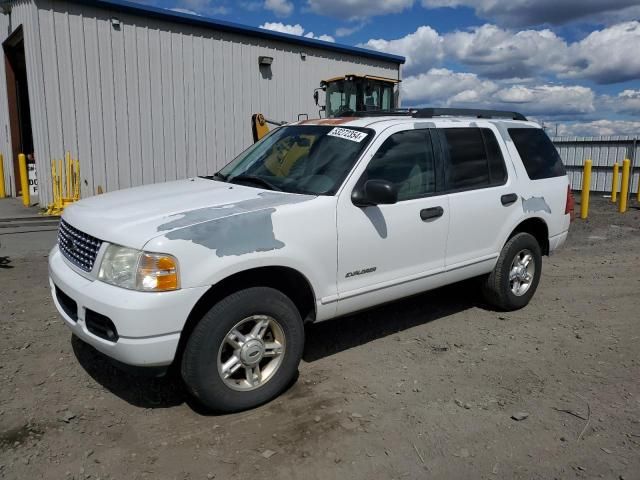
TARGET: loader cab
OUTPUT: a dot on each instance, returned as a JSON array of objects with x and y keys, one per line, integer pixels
[{"x": 357, "y": 93}]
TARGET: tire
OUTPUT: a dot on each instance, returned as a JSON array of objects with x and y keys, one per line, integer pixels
[
  {"x": 498, "y": 287},
  {"x": 213, "y": 349}
]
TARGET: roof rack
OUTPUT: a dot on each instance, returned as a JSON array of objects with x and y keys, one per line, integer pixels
[
  {"x": 467, "y": 112},
  {"x": 404, "y": 112}
]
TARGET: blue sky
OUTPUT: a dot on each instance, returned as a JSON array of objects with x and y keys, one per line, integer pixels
[{"x": 572, "y": 64}]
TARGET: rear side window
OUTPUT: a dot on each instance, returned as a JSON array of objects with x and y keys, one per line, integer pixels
[
  {"x": 539, "y": 156},
  {"x": 472, "y": 158}
]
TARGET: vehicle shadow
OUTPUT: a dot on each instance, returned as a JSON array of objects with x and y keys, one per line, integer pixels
[
  {"x": 322, "y": 340},
  {"x": 137, "y": 389},
  {"x": 339, "y": 334}
]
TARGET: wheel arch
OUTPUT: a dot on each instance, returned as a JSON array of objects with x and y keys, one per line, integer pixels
[
  {"x": 537, "y": 227},
  {"x": 287, "y": 280}
]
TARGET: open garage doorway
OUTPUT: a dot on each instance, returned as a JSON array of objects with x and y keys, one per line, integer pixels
[{"x": 18, "y": 99}]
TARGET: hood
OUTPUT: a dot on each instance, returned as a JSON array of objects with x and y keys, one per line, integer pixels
[{"x": 134, "y": 216}]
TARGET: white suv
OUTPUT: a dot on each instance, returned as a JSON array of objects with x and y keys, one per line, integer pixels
[{"x": 218, "y": 275}]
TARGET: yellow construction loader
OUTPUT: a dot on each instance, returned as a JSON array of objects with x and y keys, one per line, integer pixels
[
  {"x": 357, "y": 93},
  {"x": 344, "y": 96}
]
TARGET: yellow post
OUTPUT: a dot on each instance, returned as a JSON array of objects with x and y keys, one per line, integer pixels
[
  {"x": 586, "y": 187},
  {"x": 60, "y": 182},
  {"x": 76, "y": 194},
  {"x": 24, "y": 180},
  {"x": 614, "y": 183},
  {"x": 2, "y": 192},
  {"x": 67, "y": 160},
  {"x": 624, "y": 188}
]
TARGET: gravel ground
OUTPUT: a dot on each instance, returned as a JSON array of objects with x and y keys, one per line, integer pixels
[{"x": 429, "y": 387}]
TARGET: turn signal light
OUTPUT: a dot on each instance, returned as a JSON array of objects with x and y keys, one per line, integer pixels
[{"x": 157, "y": 273}]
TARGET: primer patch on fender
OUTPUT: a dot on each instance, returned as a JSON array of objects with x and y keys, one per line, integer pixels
[
  {"x": 535, "y": 204},
  {"x": 347, "y": 134},
  {"x": 235, "y": 235}
]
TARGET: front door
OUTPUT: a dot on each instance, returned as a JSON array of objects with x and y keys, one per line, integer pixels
[{"x": 390, "y": 251}]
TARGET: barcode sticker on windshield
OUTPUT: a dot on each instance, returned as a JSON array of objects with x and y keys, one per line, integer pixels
[{"x": 348, "y": 134}]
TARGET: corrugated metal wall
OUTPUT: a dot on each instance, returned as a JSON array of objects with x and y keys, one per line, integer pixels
[
  {"x": 5, "y": 137},
  {"x": 603, "y": 152},
  {"x": 152, "y": 100}
]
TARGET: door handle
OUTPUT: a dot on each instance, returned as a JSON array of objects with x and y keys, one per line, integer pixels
[
  {"x": 429, "y": 213},
  {"x": 508, "y": 199}
]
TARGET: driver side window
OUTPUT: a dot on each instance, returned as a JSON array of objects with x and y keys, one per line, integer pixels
[{"x": 405, "y": 159}]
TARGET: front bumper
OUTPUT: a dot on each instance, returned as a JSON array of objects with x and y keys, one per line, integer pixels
[{"x": 148, "y": 324}]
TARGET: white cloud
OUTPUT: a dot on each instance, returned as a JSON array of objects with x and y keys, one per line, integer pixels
[
  {"x": 627, "y": 101},
  {"x": 499, "y": 53},
  {"x": 442, "y": 87},
  {"x": 598, "y": 128},
  {"x": 439, "y": 86},
  {"x": 325, "y": 37},
  {"x": 184, "y": 10},
  {"x": 201, "y": 7},
  {"x": 296, "y": 29},
  {"x": 282, "y": 28},
  {"x": 358, "y": 9},
  {"x": 607, "y": 55},
  {"x": 604, "y": 56},
  {"x": 422, "y": 48},
  {"x": 547, "y": 99},
  {"x": 346, "y": 31},
  {"x": 538, "y": 12},
  {"x": 281, "y": 8}
]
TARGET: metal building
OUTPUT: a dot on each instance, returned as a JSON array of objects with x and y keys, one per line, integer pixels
[
  {"x": 603, "y": 152},
  {"x": 143, "y": 95}
]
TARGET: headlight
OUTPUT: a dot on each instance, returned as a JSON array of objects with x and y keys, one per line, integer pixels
[{"x": 136, "y": 270}]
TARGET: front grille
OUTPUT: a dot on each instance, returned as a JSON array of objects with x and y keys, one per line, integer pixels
[{"x": 78, "y": 247}]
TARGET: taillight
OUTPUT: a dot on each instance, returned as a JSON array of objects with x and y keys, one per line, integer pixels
[{"x": 568, "y": 209}]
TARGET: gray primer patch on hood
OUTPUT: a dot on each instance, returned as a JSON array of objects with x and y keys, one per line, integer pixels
[
  {"x": 264, "y": 200},
  {"x": 535, "y": 204},
  {"x": 236, "y": 235}
]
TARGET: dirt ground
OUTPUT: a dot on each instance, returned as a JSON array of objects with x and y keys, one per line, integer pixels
[{"x": 422, "y": 388}]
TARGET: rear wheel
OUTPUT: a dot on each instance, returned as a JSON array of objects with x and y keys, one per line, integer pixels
[
  {"x": 245, "y": 351},
  {"x": 516, "y": 275}
]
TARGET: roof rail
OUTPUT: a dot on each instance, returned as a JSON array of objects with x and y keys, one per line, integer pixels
[
  {"x": 467, "y": 112},
  {"x": 404, "y": 112}
]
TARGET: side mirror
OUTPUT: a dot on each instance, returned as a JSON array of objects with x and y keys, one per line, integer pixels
[
  {"x": 315, "y": 96},
  {"x": 375, "y": 192}
]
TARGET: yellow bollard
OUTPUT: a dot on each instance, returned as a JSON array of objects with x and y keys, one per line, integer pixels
[
  {"x": 76, "y": 193},
  {"x": 586, "y": 187},
  {"x": 24, "y": 180},
  {"x": 2, "y": 192},
  {"x": 67, "y": 164},
  {"x": 624, "y": 188},
  {"x": 614, "y": 183}
]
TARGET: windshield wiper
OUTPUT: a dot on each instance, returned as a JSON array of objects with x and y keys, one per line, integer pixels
[
  {"x": 216, "y": 176},
  {"x": 255, "y": 179}
]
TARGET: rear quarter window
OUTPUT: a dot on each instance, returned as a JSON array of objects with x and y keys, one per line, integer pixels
[{"x": 539, "y": 156}]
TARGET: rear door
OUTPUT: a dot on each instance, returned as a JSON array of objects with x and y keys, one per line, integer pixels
[{"x": 482, "y": 196}]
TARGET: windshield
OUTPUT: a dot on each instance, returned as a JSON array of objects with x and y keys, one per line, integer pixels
[
  {"x": 308, "y": 159},
  {"x": 340, "y": 97}
]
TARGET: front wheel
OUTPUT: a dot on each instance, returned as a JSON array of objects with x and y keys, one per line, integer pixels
[
  {"x": 245, "y": 351},
  {"x": 516, "y": 275}
]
